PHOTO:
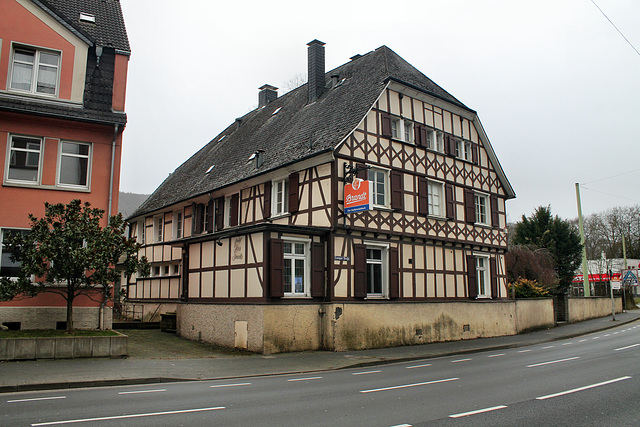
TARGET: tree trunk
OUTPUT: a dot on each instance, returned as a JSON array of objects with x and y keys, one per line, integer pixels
[{"x": 70, "y": 312}]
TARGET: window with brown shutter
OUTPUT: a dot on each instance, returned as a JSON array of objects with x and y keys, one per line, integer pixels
[
  {"x": 360, "y": 271},
  {"x": 469, "y": 207},
  {"x": 494, "y": 277},
  {"x": 266, "y": 200},
  {"x": 209, "y": 218},
  {"x": 420, "y": 135},
  {"x": 219, "y": 214},
  {"x": 386, "y": 124},
  {"x": 199, "y": 218},
  {"x": 495, "y": 216},
  {"x": 317, "y": 269},
  {"x": 235, "y": 207},
  {"x": 474, "y": 153},
  {"x": 394, "y": 273},
  {"x": 362, "y": 171},
  {"x": 450, "y": 201},
  {"x": 193, "y": 218},
  {"x": 276, "y": 268},
  {"x": 397, "y": 190},
  {"x": 294, "y": 202},
  {"x": 423, "y": 197},
  {"x": 472, "y": 277}
]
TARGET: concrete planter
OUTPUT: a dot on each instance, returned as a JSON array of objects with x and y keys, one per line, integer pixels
[{"x": 62, "y": 347}]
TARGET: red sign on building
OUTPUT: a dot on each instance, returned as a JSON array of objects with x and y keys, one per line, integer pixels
[{"x": 357, "y": 196}]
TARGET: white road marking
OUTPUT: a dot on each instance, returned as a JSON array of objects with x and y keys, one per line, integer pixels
[
  {"x": 229, "y": 385},
  {"x": 305, "y": 379},
  {"x": 616, "y": 333},
  {"x": 461, "y": 360},
  {"x": 624, "y": 348},
  {"x": 496, "y": 355},
  {"x": 549, "y": 346},
  {"x": 479, "y": 411},
  {"x": 551, "y": 362},
  {"x": 582, "y": 341},
  {"x": 409, "y": 385},
  {"x": 120, "y": 417},
  {"x": 567, "y": 343},
  {"x": 607, "y": 335},
  {"x": 524, "y": 351},
  {"x": 595, "y": 338},
  {"x": 366, "y": 372},
  {"x": 549, "y": 396},
  {"x": 419, "y": 366},
  {"x": 36, "y": 398},
  {"x": 142, "y": 391},
  {"x": 403, "y": 425}
]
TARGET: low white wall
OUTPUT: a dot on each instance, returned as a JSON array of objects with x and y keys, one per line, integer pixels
[
  {"x": 46, "y": 317},
  {"x": 581, "y": 308},
  {"x": 275, "y": 328}
]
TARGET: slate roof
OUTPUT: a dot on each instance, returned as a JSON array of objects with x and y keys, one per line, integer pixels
[
  {"x": 108, "y": 31},
  {"x": 296, "y": 132}
]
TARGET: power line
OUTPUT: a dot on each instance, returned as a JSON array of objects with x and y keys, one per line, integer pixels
[
  {"x": 609, "y": 177},
  {"x": 614, "y": 26},
  {"x": 609, "y": 194}
]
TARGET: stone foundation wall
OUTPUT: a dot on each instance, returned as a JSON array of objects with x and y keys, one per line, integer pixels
[
  {"x": 62, "y": 347},
  {"x": 47, "y": 317}
]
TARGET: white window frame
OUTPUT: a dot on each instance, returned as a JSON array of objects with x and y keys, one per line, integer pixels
[
  {"x": 35, "y": 70},
  {"x": 482, "y": 208},
  {"x": 11, "y": 149},
  {"x": 89, "y": 158},
  {"x": 483, "y": 279},
  {"x": 177, "y": 224},
  {"x": 435, "y": 140},
  {"x": 2, "y": 230},
  {"x": 279, "y": 208},
  {"x": 306, "y": 293},
  {"x": 374, "y": 186},
  {"x": 384, "y": 262},
  {"x": 402, "y": 129},
  {"x": 158, "y": 228},
  {"x": 432, "y": 198},
  {"x": 140, "y": 232},
  {"x": 227, "y": 211},
  {"x": 467, "y": 150}
]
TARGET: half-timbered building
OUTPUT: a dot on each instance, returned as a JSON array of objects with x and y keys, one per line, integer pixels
[{"x": 250, "y": 243}]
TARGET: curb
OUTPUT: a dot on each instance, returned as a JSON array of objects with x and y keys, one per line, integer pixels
[{"x": 381, "y": 361}]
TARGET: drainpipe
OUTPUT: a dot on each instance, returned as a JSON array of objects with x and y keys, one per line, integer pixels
[{"x": 113, "y": 158}]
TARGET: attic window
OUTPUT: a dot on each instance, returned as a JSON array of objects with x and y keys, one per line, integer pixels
[
  {"x": 340, "y": 83},
  {"x": 87, "y": 17},
  {"x": 210, "y": 168},
  {"x": 253, "y": 156},
  {"x": 276, "y": 112},
  {"x": 222, "y": 137}
]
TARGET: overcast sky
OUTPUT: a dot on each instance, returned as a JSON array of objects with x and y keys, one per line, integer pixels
[{"x": 556, "y": 87}]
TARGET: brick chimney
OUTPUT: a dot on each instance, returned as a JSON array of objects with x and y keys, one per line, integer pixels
[
  {"x": 316, "y": 70},
  {"x": 267, "y": 94}
]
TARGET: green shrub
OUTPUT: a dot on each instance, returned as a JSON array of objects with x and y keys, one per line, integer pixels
[{"x": 525, "y": 288}]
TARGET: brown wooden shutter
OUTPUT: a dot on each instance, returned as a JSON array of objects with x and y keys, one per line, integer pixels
[
  {"x": 294, "y": 202},
  {"x": 360, "y": 271},
  {"x": 469, "y": 207},
  {"x": 209, "y": 220},
  {"x": 494, "y": 277},
  {"x": 449, "y": 145},
  {"x": 363, "y": 172},
  {"x": 423, "y": 198},
  {"x": 276, "y": 268},
  {"x": 266, "y": 208},
  {"x": 397, "y": 190},
  {"x": 386, "y": 125},
  {"x": 474, "y": 153},
  {"x": 420, "y": 135},
  {"x": 199, "y": 218},
  {"x": 394, "y": 273},
  {"x": 317, "y": 269},
  {"x": 219, "y": 213},
  {"x": 450, "y": 201},
  {"x": 235, "y": 206},
  {"x": 495, "y": 217},
  {"x": 472, "y": 277}
]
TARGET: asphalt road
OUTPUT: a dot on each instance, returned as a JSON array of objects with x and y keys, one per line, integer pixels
[{"x": 592, "y": 380}]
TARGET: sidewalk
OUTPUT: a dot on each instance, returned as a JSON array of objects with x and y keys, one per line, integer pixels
[{"x": 204, "y": 362}]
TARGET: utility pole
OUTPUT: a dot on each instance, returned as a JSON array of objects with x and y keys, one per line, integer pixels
[{"x": 585, "y": 265}]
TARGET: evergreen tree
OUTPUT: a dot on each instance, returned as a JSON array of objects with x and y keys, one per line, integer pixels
[{"x": 557, "y": 236}]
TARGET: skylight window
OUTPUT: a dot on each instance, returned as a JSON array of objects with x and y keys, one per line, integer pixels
[
  {"x": 87, "y": 17},
  {"x": 253, "y": 156},
  {"x": 276, "y": 112},
  {"x": 210, "y": 168},
  {"x": 222, "y": 137}
]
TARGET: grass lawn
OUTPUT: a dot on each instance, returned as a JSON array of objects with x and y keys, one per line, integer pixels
[{"x": 53, "y": 333}]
